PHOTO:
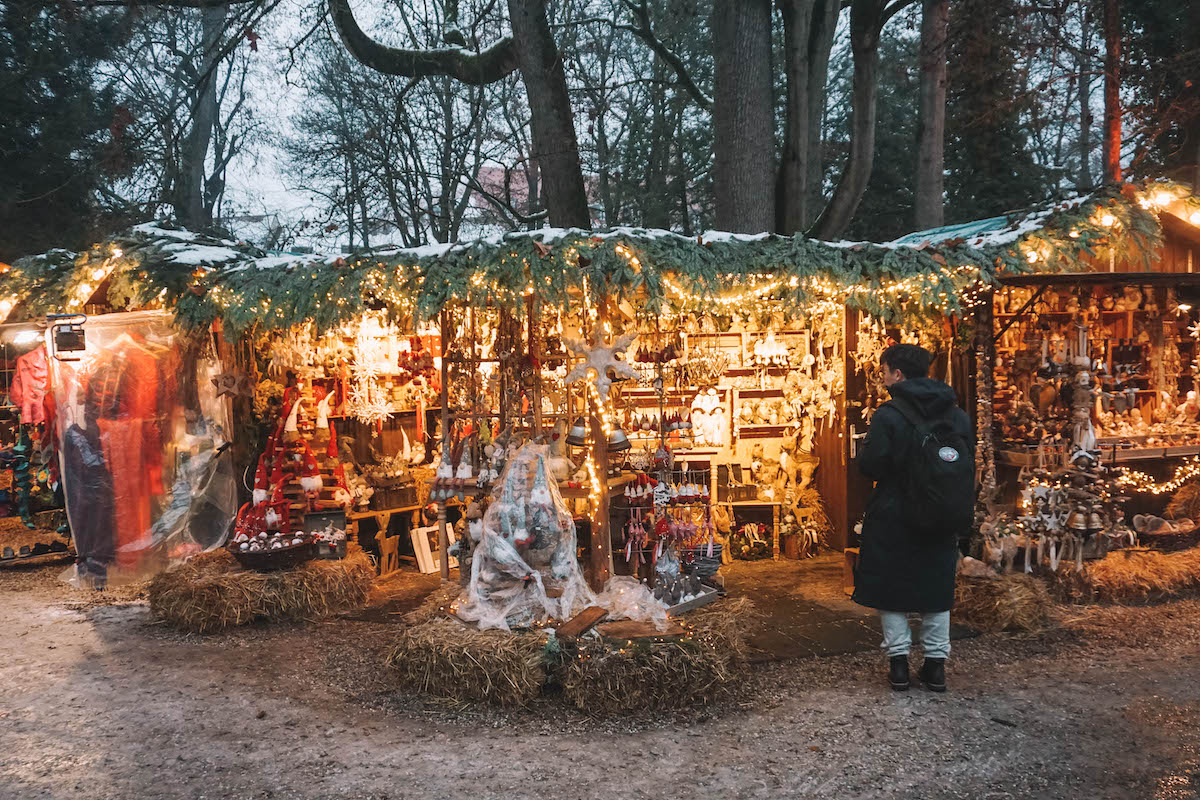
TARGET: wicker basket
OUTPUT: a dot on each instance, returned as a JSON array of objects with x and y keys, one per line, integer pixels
[
  {"x": 743, "y": 492},
  {"x": 1167, "y": 542},
  {"x": 268, "y": 560},
  {"x": 399, "y": 496},
  {"x": 701, "y": 563}
]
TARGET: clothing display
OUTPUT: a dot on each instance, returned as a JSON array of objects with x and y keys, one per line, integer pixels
[
  {"x": 122, "y": 400},
  {"x": 90, "y": 487},
  {"x": 145, "y": 480},
  {"x": 30, "y": 383}
]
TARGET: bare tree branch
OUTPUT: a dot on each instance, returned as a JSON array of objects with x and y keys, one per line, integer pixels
[
  {"x": 486, "y": 66},
  {"x": 645, "y": 31}
]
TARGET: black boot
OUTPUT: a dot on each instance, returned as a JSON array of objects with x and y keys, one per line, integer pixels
[
  {"x": 898, "y": 673},
  {"x": 933, "y": 674}
]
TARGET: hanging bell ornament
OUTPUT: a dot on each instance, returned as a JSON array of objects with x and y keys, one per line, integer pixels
[
  {"x": 1095, "y": 523},
  {"x": 618, "y": 441},
  {"x": 1077, "y": 520},
  {"x": 578, "y": 433}
]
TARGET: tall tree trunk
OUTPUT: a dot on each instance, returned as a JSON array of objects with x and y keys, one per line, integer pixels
[
  {"x": 929, "y": 209},
  {"x": 866, "y": 23},
  {"x": 555, "y": 146},
  {"x": 604, "y": 178},
  {"x": 681, "y": 180},
  {"x": 1112, "y": 91},
  {"x": 195, "y": 213},
  {"x": 820, "y": 45},
  {"x": 1190, "y": 152},
  {"x": 808, "y": 27},
  {"x": 791, "y": 200},
  {"x": 654, "y": 201},
  {"x": 743, "y": 116},
  {"x": 1084, "y": 64}
]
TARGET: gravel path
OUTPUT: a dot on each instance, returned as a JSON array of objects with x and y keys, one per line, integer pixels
[{"x": 100, "y": 702}]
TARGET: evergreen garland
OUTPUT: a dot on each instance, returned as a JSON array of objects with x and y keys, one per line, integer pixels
[{"x": 246, "y": 289}]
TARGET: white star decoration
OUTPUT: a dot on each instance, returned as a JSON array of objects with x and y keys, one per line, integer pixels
[{"x": 600, "y": 359}]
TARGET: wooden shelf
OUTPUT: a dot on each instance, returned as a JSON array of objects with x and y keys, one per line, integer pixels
[
  {"x": 615, "y": 486},
  {"x": 759, "y": 393}
]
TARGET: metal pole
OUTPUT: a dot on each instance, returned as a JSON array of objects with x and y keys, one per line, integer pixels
[{"x": 443, "y": 537}]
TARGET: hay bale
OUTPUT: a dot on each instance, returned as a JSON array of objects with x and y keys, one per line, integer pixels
[
  {"x": 601, "y": 678},
  {"x": 211, "y": 592},
  {"x": 441, "y": 656},
  {"x": 1010, "y": 602},
  {"x": 1133, "y": 576},
  {"x": 1185, "y": 502},
  {"x": 446, "y": 658}
]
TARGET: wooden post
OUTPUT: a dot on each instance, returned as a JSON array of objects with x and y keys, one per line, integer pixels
[
  {"x": 443, "y": 537},
  {"x": 601, "y": 549},
  {"x": 535, "y": 355},
  {"x": 985, "y": 359},
  {"x": 775, "y": 531}
]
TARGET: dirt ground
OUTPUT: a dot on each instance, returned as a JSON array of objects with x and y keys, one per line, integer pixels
[{"x": 101, "y": 702}]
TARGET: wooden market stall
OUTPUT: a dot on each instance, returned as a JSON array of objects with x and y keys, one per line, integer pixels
[{"x": 736, "y": 372}]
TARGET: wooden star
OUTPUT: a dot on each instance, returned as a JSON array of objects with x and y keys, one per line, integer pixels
[
  {"x": 226, "y": 383},
  {"x": 600, "y": 359}
]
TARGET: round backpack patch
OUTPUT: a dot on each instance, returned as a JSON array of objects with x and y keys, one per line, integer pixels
[{"x": 948, "y": 454}]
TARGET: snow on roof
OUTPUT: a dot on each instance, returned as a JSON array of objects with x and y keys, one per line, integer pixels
[
  {"x": 993, "y": 231},
  {"x": 201, "y": 254}
]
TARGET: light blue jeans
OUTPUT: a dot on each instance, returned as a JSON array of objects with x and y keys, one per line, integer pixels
[{"x": 897, "y": 635}]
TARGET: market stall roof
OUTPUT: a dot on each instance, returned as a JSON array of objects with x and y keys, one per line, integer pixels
[{"x": 204, "y": 279}]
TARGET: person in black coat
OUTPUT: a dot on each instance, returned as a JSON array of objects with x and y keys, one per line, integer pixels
[{"x": 900, "y": 572}]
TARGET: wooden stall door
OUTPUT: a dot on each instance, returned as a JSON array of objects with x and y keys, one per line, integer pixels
[{"x": 843, "y": 489}]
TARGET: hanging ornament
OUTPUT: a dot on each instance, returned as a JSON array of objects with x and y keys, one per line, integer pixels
[
  {"x": 234, "y": 383},
  {"x": 600, "y": 358}
]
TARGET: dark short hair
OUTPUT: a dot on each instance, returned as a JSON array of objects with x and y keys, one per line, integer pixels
[{"x": 910, "y": 359}]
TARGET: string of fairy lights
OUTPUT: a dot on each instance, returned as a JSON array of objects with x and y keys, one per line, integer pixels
[{"x": 1144, "y": 484}]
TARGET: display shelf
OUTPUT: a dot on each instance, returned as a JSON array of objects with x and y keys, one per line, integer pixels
[
  {"x": 759, "y": 394},
  {"x": 1111, "y": 313},
  {"x": 1108, "y": 455},
  {"x": 741, "y": 372},
  {"x": 615, "y": 486}
]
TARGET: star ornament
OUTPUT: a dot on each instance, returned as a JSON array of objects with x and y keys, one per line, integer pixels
[
  {"x": 234, "y": 384},
  {"x": 601, "y": 359}
]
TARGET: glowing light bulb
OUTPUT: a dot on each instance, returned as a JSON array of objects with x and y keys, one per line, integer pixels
[
  {"x": 118, "y": 252},
  {"x": 1161, "y": 198},
  {"x": 1108, "y": 220},
  {"x": 1195, "y": 218},
  {"x": 5, "y": 307},
  {"x": 97, "y": 274},
  {"x": 1032, "y": 255}
]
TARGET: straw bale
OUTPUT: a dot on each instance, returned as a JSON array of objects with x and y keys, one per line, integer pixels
[
  {"x": 446, "y": 658},
  {"x": 439, "y": 655},
  {"x": 601, "y": 677},
  {"x": 1185, "y": 502},
  {"x": 1133, "y": 576},
  {"x": 1010, "y": 602},
  {"x": 211, "y": 592}
]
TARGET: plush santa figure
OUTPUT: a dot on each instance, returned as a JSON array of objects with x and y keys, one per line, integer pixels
[
  {"x": 262, "y": 473},
  {"x": 310, "y": 473}
]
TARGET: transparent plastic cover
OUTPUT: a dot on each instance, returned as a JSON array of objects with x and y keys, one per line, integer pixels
[
  {"x": 142, "y": 434},
  {"x": 524, "y": 570}
]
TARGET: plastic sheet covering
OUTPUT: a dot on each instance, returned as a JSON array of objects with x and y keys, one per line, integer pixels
[
  {"x": 625, "y": 598},
  {"x": 524, "y": 570},
  {"x": 147, "y": 475}
]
